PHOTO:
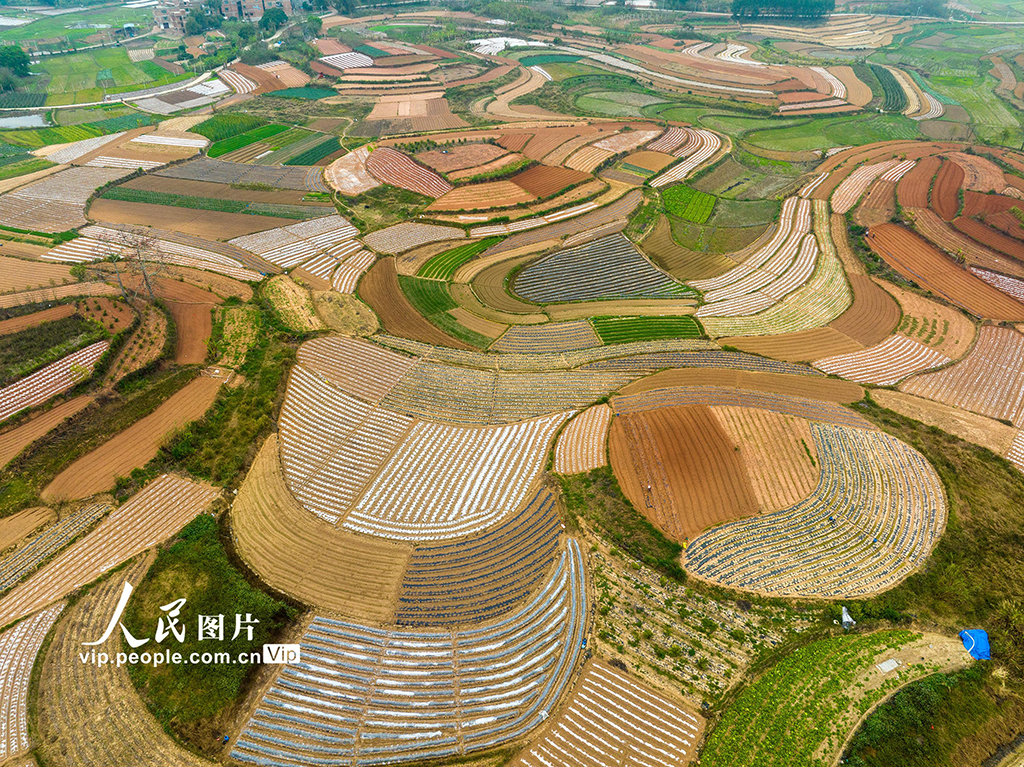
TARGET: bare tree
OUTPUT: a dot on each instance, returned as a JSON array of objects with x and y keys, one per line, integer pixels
[{"x": 134, "y": 252}]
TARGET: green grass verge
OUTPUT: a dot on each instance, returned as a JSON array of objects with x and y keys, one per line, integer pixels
[
  {"x": 688, "y": 203},
  {"x": 197, "y": 568},
  {"x": 245, "y": 139},
  {"x": 618, "y": 330},
  {"x": 444, "y": 265}
]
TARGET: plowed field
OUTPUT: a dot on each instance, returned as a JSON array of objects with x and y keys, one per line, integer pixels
[
  {"x": 918, "y": 260},
  {"x": 18, "y": 275},
  {"x": 380, "y": 289},
  {"x": 210, "y": 224},
  {"x": 933, "y": 324},
  {"x": 545, "y": 180},
  {"x": 680, "y": 469},
  {"x": 25, "y": 321},
  {"x": 986, "y": 235},
  {"x": 493, "y": 194},
  {"x": 801, "y": 346},
  {"x": 945, "y": 192},
  {"x": 912, "y": 191},
  {"x": 17, "y": 526},
  {"x": 13, "y": 441},
  {"x": 811, "y": 387},
  {"x": 134, "y": 447},
  {"x": 451, "y": 158},
  {"x": 873, "y": 315}
]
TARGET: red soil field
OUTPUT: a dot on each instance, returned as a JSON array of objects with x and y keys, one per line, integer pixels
[
  {"x": 945, "y": 191},
  {"x": 13, "y": 441},
  {"x": 134, "y": 447},
  {"x": 873, "y": 315},
  {"x": 1006, "y": 223},
  {"x": 190, "y": 307},
  {"x": 447, "y": 159},
  {"x": 26, "y": 321},
  {"x": 680, "y": 469},
  {"x": 918, "y": 260},
  {"x": 545, "y": 181},
  {"x": 912, "y": 191},
  {"x": 800, "y": 346},
  {"x": 379, "y": 288},
  {"x": 976, "y": 202},
  {"x": 514, "y": 142},
  {"x": 988, "y": 236}
]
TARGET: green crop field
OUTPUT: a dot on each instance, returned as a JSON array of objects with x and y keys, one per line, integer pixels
[
  {"x": 220, "y": 127},
  {"x": 802, "y": 703},
  {"x": 540, "y": 59},
  {"x": 444, "y": 265},
  {"x": 37, "y": 137},
  {"x": 316, "y": 153},
  {"x": 895, "y": 98},
  {"x": 688, "y": 203},
  {"x": 245, "y": 139},
  {"x": 84, "y": 77},
  {"x": 618, "y": 330},
  {"x": 128, "y": 194},
  {"x": 309, "y": 94},
  {"x": 59, "y": 28},
  {"x": 432, "y": 299},
  {"x": 564, "y": 71},
  {"x": 827, "y": 132}
]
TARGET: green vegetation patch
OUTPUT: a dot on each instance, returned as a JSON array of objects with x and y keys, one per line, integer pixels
[
  {"x": 220, "y": 127},
  {"x": 597, "y": 498},
  {"x": 23, "y": 167},
  {"x": 618, "y": 330},
  {"x": 309, "y": 94},
  {"x": 127, "y": 194},
  {"x": 687, "y": 203},
  {"x": 196, "y": 568},
  {"x": 432, "y": 299},
  {"x": 827, "y": 132},
  {"x": 801, "y": 703},
  {"x": 245, "y": 139},
  {"x": 317, "y": 152},
  {"x": 25, "y": 352},
  {"x": 541, "y": 59},
  {"x": 444, "y": 265},
  {"x": 37, "y": 137}
]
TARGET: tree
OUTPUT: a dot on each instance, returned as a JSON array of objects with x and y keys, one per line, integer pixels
[
  {"x": 345, "y": 7},
  {"x": 313, "y": 25},
  {"x": 132, "y": 253},
  {"x": 246, "y": 33},
  {"x": 15, "y": 59},
  {"x": 272, "y": 20}
]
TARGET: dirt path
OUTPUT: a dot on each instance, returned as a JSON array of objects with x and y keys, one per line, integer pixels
[{"x": 529, "y": 81}]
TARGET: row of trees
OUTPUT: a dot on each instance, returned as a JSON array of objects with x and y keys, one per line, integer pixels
[{"x": 792, "y": 9}]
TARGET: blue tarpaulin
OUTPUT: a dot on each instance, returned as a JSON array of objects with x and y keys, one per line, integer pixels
[{"x": 976, "y": 643}]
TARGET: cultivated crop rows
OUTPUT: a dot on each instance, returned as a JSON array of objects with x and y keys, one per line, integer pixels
[
  {"x": 18, "y": 564},
  {"x": 532, "y": 223},
  {"x": 873, "y": 519},
  {"x": 811, "y": 409},
  {"x": 550, "y": 337},
  {"x": 350, "y": 60},
  {"x": 102, "y": 241},
  {"x": 808, "y": 189},
  {"x": 670, "y": 140},
  {"x": 124, "y": 163},
  {"x": 364, "y": 695},
  {"x": 699, "y": 150},
  {"x": 408, "y": 235},
  {"x": 989, "y": 380},
  {"x": 332, "y": 443},
  {"x": 290, "y": 245},
  {"x": 71, "y": 152},
  {"x": 611, "y": 719},
  {"x": 733, "y": 53},
  {"x": 446, "y": 481},
  {"x": 896, "y": 172},
  {"x": 392, "y": 167},
  {"x": 56, "y": 377},
  {"x": 853, "y": 186},
  {"x": 348, "y": 174},
  {"x": 884, "y": 364},
  {"x": 462, "y": 395},
  {"x": 348, "y": 273},
  {"x": 151, "y": 516},
  {"x": 625, "y": 142},
  {"x": 608, "y": 268},
  {"x": 582, "y": 444},
  {"x": 1016, "y": 452},
  {"x": 655, "y": 361},
  {"x": 80, "y": 250},
  {"x": 588, "y": 158},
  {"x": 838, "y": 89},
  {"x": 482, "y": 577},
  {"x": 828, "y": 103},
  {"x": 18, "y": 649},
  {"x": 356, "y": 366},
  {"x": 157, "y": 139},
  {"x": 239, "y": 83},
  {"x": 223, "y": 172},
  {"x": 1010, "y": 286}
]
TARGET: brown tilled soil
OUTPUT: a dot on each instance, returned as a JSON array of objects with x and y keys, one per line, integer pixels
[
  {"x": 811, "y": 387},
  {"x": 134, "y": 447},
  {"x": 977, "y": 203},
  {"x": 143, "y": 347},
  {"x": 988, "y": 236},
  {"x": 545, "y": 180},
  {"x": 878, "y": 205},
  {"x": 26, "y": 321},
  {"x": 210, "y": 224},
  {"x": 13, "y": 441},
  {"x": 492, "y": 194},
  {"x": 946, "y": 190},
  {"x": 190, "y": 307},
  {"x": 283, "y": 543},
  {"x": 777, "y": 451},
  {"x": 872, "y": 316},
  {"x": 946, "y": 238},
  {"x": 114, "y": 315},
  {"x": 18, "y": 275},
  {"x": 931, "y": 323},
  {"x": 913, "y": 188},
  {"x": 447, "y": 158},
  {"x": 476, "y": 323},
  {"x": 379, "y": 288},
  {"x": 15, "y": 528},
  {"x": 920, "y": 261},
  {"x": 801, "y": 346},
  {"x": 680, "y": 469},
  {"x": 652, "y": 161}
]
